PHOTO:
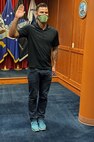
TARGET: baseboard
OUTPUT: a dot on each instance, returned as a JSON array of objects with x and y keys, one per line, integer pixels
[
  {"x": 20, "y": 80},
  {"x": 86, "y": 121}
]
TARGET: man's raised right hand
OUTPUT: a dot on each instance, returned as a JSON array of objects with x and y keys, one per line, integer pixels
[{"x": 20, "y": 12}]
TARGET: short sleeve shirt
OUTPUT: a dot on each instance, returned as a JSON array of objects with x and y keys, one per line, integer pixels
[{"x": 40, "y": 44}]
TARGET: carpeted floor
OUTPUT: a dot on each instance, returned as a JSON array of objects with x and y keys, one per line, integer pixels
[
  {"x": 13, "y": 73},
  {"x": 61, "y": 116}
]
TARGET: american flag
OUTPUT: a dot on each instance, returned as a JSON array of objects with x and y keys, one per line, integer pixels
[
  {"x": 8, "y": 13},
  {"x": 3, "y": 34},
  {"x": 11, "y": 44}
]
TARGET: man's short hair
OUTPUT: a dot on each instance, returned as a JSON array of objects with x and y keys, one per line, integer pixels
[{"x": 41, "y": 5}]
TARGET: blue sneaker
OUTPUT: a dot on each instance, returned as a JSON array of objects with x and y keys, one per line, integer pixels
[
  {"x": 34, "y": 126},
  {"x": 42, "y": 125}
]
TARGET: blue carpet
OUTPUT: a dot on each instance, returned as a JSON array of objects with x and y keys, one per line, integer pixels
[
  {"x": 13, "y": 73},
  {"x": 61, "y": 116}
]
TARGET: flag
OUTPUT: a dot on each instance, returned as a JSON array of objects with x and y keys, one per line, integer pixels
[
  {"x": 3, "y": 50},
  {"x": 11, "y": 44},
  {"x": 23, "y": 49},
  {"x": 31, "y": 11},
  {"x": 3, "y": 34},
  {"x": 8, "y": 13},
  {"x": 12, "y": 47}
]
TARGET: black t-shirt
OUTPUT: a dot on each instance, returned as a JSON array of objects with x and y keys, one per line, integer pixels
[{"x": 40, "y": 43}]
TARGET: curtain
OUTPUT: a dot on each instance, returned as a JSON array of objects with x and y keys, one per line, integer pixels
[{"x": 2, "y": 4}]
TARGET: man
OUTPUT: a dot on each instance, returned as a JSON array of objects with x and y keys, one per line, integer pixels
[{"x": 42, "y": 52}]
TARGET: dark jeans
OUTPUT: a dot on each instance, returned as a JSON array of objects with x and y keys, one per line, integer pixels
[{"x": 39, "y": 83}]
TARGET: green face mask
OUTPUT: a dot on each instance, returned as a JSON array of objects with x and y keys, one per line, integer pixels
[{"x": 43, "y": 18}]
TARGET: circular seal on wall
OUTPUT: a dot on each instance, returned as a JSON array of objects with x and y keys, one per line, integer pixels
[{"x": 83, "y": 9}]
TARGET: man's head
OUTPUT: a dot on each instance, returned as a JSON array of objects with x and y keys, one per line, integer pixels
[{"x": 42, "y": 12}]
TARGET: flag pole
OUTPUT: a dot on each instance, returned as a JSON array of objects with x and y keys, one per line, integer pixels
[
  {"x": 18, "y": 68},
  {"x": 5, "y": 68}
]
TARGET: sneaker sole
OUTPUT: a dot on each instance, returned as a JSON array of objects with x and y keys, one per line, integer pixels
[
  {"x": 35, "y": 130},
  {"x": 42, "y": 129}
]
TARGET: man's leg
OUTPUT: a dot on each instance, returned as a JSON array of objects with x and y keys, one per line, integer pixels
[
  {"x": 33, "y": 82},
  {"x": 44, "y": 86}
]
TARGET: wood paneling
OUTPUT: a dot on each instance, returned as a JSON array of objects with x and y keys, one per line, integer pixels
[
  {"x": 63, "y": 61},
  {"x": 53, "y": 12},
  {"x": 65, "y": 18},
  {"x": 78, "y": 27},
  {"x": 76, "y": 67},
  {"x": 71, "y": 34}
]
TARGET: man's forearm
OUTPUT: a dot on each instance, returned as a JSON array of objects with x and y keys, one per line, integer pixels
[
  {"x": 54, "y": 57},
  {"x": 13, "y": 29}
]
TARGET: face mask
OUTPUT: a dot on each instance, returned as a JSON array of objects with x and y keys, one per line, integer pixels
[{"x": 43, "y": 18}]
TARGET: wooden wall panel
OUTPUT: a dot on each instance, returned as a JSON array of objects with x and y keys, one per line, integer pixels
[
  {"x": 76, "y": 67},
  {"x": 63, "y": 61},
  {"x": 78, "y": 27},
  {"x": 53, "y": 12},
  {"x": 65, "y": 17}
]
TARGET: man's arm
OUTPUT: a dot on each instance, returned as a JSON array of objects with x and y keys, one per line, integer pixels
[
  {"x": 13, "y": 29},
  {"x": 54, "y": 59}
]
